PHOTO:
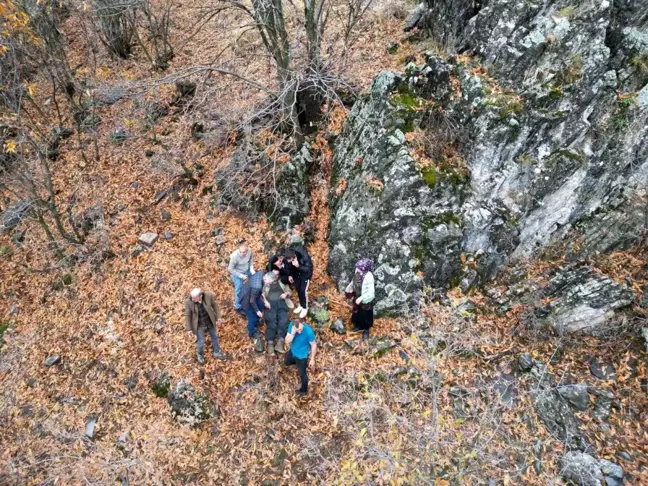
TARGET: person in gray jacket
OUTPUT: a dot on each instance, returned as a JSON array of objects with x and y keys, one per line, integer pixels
[{"x": 241, "y": 267}]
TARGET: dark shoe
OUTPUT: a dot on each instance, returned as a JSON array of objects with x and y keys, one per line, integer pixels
[
  {"x": 279, "y": 347},
  {"x": 258, "y": 344},
  {"x": 301, "y": 393},
  {"x": 240, "y": 312},
  {"x": 356, "y": 329},
  {"x": 271, "y": 349},
  {"x": 200, "y": 359},
  {"x": 365, "y": 335},
  {"x": 220, "y": 356}
]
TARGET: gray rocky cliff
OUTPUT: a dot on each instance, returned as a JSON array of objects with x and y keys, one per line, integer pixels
[{"x": 548, "y": 114}]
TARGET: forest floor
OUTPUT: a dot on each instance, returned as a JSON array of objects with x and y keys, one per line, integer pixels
[{"x": 380, "y": 412}]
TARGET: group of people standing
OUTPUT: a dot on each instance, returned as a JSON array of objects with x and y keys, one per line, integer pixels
[{"x": 268, "y": 296}]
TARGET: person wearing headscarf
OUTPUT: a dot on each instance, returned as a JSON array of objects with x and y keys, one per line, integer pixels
[
  {"x": 275, "y": 299},
  {"x": 361, "y": 290}
]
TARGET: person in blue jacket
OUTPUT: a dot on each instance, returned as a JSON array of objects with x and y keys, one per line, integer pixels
[{"x": 301, "y": 340}]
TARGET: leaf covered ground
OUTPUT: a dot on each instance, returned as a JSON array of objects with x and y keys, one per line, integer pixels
[{"x": 381, "y": 412}]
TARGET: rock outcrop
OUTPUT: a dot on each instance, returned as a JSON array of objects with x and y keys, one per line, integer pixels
[
  {"x": 548, "y": 117},
  {"x": 383, "y": 207},
  {"x": 188, "y": 406},
  {"x": 584, "y": 300}
]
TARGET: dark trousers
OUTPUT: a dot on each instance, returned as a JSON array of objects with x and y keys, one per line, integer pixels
[
  {"x": 201, "y": 339},
  {"x": 301, "y": 364},
  {"x": 301, "y": 286},
  {"x": 276, "y": 318}
]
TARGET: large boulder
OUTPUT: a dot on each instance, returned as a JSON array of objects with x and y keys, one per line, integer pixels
[
  {"x": 584, "y": 300},
  {"x": 255, "y": 183},
  {"x": 546, "y": 116},
  {"x": 188, "y": 406},
  {"x": 582, "y": 469}
]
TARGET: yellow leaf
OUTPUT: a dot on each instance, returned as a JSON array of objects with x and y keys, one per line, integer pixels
[
  {"x": 10, "y": 146},
  {"x": 363, "y": 432}
]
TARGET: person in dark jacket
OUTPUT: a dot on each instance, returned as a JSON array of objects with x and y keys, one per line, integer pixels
[
  {"x": 301, "y": 272},
  {"x": 202, "y": 315},
  {"x": 279, "y": 265},
  {"x": 252, "y": 305}
]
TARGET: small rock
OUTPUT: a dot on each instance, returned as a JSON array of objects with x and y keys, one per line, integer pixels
[
  {"x": 167, "y": 235},
  {"x": 135, "y": 185},
  {"x": 602, "y": 371},
  {"x": 27, "y": 411},
  {"x": 382, "y": 347},
  {"x": 576, "y": 395},
  {"x": 13, "y": 309},
  {"x": 220, "y": 239},
  {"x": 338, "y": 327},
  {"x": 393, "y": 47},
  {"x": 611, "y": 469},
  {"x": 31, "y": 383},
  {"x": 119, "y": 136},
  {"x": 165, "y": 214},
  {"x": 91, "y": 422},
  {"x": 504, "y": 384},
  {"x": 148, "y": 238},
  {"x": 644, "y": 333},
  {"x": 458, "y": 392},
  {"x": 624, "y": 455},
  {"x": 612, "y": 482},
  {"x": 415, "y": 17},
  {"x": 603, "y": 404},
  {"x": 137, "y": 251},
  {"x": 525, "y": 362},
  {"x": 403, "y": 355},
  {"x": 110, "y": 96},
  {"x": 52, "y": 360}
]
